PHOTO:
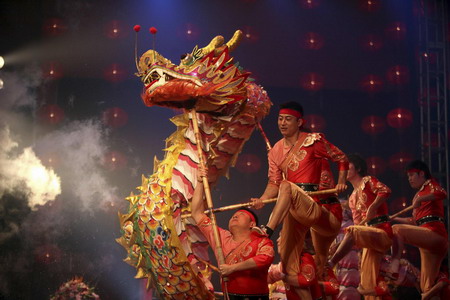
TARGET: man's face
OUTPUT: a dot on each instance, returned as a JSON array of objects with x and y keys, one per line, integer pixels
[
  {"x": 351, "y": 174},
  {"x": 241, "y": 220},
  {"x": 416, "y": 180},
  {"x": 288, "y": 124}
]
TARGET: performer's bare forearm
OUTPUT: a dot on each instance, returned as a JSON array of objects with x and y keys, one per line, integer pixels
[{"x": 271, "y": 191}]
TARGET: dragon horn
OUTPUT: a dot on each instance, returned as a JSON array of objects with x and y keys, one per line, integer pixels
[
  {"x": 235, "y": 40},
  {"x": 215, "y": 43}
]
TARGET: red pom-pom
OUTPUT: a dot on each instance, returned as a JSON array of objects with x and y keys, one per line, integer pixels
[
  {"x": 153, "y": 30},
  {"x": 137, "y": 28}
]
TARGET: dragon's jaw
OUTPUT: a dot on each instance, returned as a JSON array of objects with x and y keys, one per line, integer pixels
[{"x": 158, "y": 76}]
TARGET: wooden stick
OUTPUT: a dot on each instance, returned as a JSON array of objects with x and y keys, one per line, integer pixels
[
  {"x": 209, "y": 202},
  {"x": 240, "y": 205},
  {"x": 268, "y": 145},
  {"x": 401, "y": 212}
]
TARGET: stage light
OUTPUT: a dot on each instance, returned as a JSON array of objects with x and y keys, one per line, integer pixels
[
  {"x": 373, "y": 125},
  {"x": 400, "y": 118},
  {"x": 2, "y": 62},
  {"x": 1, "y": 83},
  {"x": 317, "y": 123}
]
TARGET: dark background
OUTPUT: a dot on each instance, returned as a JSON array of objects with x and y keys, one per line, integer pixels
[{"x": 83, "y": 53}]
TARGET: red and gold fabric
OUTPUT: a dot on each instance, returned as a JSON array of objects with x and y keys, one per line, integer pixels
[
  {"x": 433, "y": 207},
  {"x": 256, "y": 247},
  {"x": 306, "y": 163},
  {"x": 364, "y": 195}
]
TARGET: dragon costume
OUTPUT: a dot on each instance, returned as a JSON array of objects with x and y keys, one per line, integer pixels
[{"x": 167, "y": 250}]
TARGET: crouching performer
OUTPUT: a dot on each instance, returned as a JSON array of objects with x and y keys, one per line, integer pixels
[
  {"x": 426, "y": 229},
  {"x": 248, "y": 255},
  {"x": 372, "y": 232}
]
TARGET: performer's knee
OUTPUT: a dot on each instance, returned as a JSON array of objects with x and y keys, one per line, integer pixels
[{"x": 285, "y": 188}]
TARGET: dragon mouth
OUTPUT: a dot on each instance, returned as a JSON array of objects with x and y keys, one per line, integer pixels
[{"x": 159, "y": 76}]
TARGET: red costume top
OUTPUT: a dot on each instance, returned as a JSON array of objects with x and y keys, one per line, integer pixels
[
  {"x": 307, "y": 277},
  {"x": 331, "y": 285},
  {"x": 364, "y": 195},
  {"x": 305, "y": 165},
  {"x": 256, "y": 247},
  {"x": 327, "y": 182},
  {"x": 432, "y": 207}
]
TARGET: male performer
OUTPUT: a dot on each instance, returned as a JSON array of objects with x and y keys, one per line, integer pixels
[
  {"x": 306, "y": 281},
  {"x": 248, "y": 255},
  {"x": 298, "y": 158},
  {"x": 372, "y": 231},
  {"x": 429, "y": 233}
]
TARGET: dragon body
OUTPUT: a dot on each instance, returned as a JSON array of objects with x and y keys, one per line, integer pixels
[{"x": 166, "y": 249}]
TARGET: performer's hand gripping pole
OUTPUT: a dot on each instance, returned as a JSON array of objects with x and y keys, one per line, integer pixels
[{"x": 209, "y": 202}]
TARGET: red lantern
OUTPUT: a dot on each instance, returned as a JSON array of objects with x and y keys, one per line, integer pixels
[
  {"x": 431, "y": 140},
  {"x": 400, "y": 160},
  {"x": 310, "y": 3},
  {"x": 115, "y": 29},
  {"x": 371, "y": 42},
  {"x": 371, "y": 83},
  {"x": 248, "y": 163},
  {"x": 51, "y": 114},
  {"x": 316, "y": 122},
  {"x": 398, "y": 75},
  {"x": 396, "y": 31},
  {"x": 48, "y": 253},
  {"x": 400, "y": 118},
  {"x": 373, "y": 125},
  {"x": 52, "y": 70},
  {"x": 114, "y": 73},
  {"x": 312, "y": 81},
  {"x": 115, "y": 117},
  {"x": 189, "y": 32},
  {"x": 251, "y": 35},
  {"x": 312, "y": 41},
  {"x": 114, "y": 160},
  {"x": 54, "y": 27},
  {"x": 369, "y": 5},
  {"x": 375, "y": 165}
]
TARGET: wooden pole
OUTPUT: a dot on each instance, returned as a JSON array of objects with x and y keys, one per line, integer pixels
[
  {"x": 401, "y": 212},
  {"x": 209, "y": 202},
  {"x": 240, "y": 205},
  {"x": 266, "y": 140}
]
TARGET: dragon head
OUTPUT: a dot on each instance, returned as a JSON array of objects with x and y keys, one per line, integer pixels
[{"x": 205, "y": 79}]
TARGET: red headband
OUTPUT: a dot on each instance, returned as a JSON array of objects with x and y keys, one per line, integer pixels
[
  {"x": 414, "y": 171},
  {"x": 249, "y": 214},
  {"x": 288, "y": 111}
]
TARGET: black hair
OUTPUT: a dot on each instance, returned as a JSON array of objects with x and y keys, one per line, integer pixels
[
  {"x": 293, "y": 105},
  {"x": 253, "y": 214},
  {"x": 420, "y": 165},
  {"x": 359, "y": 163}
]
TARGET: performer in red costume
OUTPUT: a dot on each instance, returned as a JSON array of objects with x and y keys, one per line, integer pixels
[
  {"x": 248, "y": 255},
  {"x": 428, "y": 233},
  {"x": 368, "y": 205},
  {"x": 295, "y": 166},
  {"x": 306, "y": 282}
]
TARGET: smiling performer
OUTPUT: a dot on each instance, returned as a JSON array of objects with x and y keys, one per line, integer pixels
[
  {"x": 248, "y": 255},
  {"x": 295, "y": 166},
  {"x": 426, "y": 229}
]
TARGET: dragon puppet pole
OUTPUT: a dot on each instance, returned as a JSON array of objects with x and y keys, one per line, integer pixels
[
  {"x": 401, "y": 212},
  {"x": 268, "y": 145},
  {"x": 219, "y": 250},
  {"x": 247, "y": 204}
]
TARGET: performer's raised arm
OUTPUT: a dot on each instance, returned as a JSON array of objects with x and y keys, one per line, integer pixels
[{"x": 198, "y": 204}]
